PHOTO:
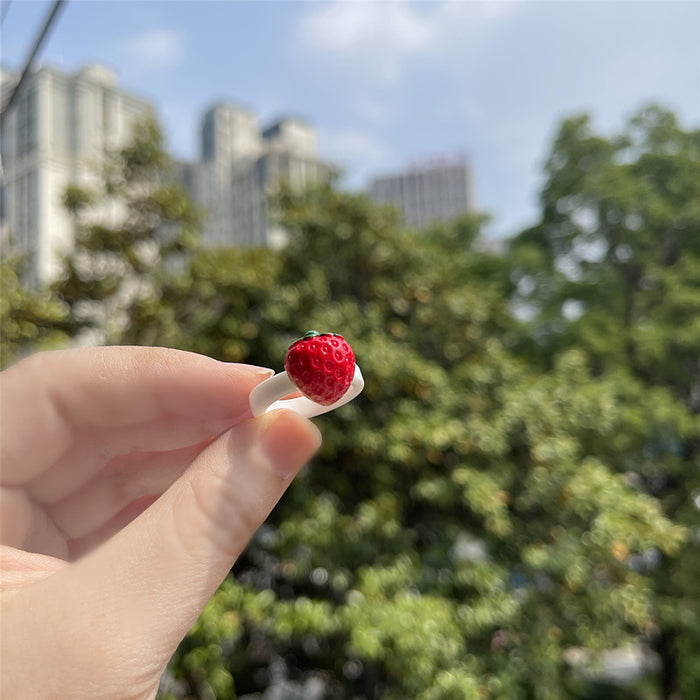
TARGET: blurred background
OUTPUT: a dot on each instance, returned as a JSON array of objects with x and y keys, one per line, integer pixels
[{"x": 498, "y": 205}]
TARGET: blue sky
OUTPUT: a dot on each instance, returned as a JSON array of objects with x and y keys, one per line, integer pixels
[{"x": 388, "y": 83}]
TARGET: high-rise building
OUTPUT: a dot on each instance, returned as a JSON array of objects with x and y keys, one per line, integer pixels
[
  {"x": 441, "y": 191},
  {"x": 61, "y": 127},
  {"x": 240, "y": 165},
  {"x": 229, "y": 133},
  {"x": 57, "y": 132}
]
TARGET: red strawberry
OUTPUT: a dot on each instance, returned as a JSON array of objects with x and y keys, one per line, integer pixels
[{"x": 321, "y": 365}]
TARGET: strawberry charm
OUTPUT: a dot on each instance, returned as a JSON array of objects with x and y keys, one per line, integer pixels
[{"x": 321, "y": 365}]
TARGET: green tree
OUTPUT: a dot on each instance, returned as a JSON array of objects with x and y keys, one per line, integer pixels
[
  {"x": 131, "y": 228},
  {"x": 483, "y": 509},
  {"x": 30, "y": 319},
  {"x": 613, "y": 267},
  {"x": 465, "y": 525}
]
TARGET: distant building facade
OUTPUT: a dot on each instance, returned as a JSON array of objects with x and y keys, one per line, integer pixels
[
  {"x": 60, "y": 128},
  {"x": 57, "y": 132},
  {"x": 441, "y": 191},
  {"x": 240, "y": 165}
]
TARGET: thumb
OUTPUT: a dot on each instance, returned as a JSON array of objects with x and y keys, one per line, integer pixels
[{"x": 144, "y": 588}]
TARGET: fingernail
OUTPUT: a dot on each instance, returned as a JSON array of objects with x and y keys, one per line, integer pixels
[
  {"x": 288, "y": 441},
  {"x": 261, "y": 371}
]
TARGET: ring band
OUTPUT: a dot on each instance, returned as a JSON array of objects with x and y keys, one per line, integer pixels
[{"x": 269, "y": 395}]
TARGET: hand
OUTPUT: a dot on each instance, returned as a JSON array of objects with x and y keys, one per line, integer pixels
[{"x": 121, "y": 511}]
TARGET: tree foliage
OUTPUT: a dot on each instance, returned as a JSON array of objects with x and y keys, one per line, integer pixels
[
  {"x": 467, "y": 522},
  {"x": 131, "y": 228},
  {"x": 618, "y": 247},
  {"x": 30, "y": 319},
  {"x": 505, "y": 498}
]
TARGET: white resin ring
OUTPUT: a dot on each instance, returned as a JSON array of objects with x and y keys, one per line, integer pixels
[{"x": 269, "y": 395}]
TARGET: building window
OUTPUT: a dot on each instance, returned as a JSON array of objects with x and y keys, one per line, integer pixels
[
  {"x": 32, "y": 209},
  {"x": 20, "y": 233},
  {"x": 26, "y": 124}
]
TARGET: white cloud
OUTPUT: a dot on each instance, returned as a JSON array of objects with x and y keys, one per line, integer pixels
[
  {"x": 379, "y": 37},
  {"x": 346, "y": 26},
  {"x": 380, "y": 34},
  {"x": 155, "y": 49}
]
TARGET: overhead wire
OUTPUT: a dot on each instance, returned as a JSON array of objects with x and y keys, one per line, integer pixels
[
  {"x": 5, "y": 8},
  {"x": 48, "y": 22}
]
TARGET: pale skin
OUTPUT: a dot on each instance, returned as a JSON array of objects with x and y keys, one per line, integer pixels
[{"x": 131, "y": 479}]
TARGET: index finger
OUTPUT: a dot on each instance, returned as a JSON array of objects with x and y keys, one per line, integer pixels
[{"x": 52, "y": 400}]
